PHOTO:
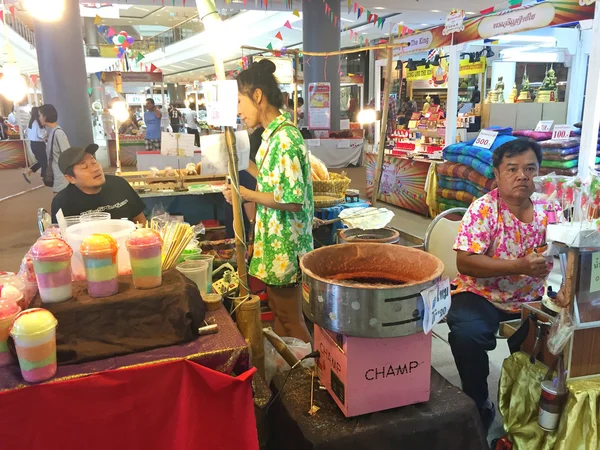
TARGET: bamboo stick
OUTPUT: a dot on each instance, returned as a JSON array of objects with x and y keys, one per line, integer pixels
[{"x": 384, "y": 121}]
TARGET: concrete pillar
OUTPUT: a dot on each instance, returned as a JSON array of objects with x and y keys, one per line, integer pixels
[
  {"x": 172, "y": 92},
  {"x": 320, "y": 35},
  {"x": 61, "y": 60}
]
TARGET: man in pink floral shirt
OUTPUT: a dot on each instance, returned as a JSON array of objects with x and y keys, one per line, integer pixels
[{"x": 498, "y": 267}]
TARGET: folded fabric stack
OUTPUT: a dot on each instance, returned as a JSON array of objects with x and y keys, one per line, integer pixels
[
  {"x": 561, "y": 157},
  {"x": 468, "y": 173},
  {"x": 535, "y": 135},
  {"x": 459, "y": 185}
]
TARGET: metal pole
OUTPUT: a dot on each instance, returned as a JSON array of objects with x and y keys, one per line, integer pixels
[
  {"x": 384, "y": 120},
  {"x": 296, "y": 62}
]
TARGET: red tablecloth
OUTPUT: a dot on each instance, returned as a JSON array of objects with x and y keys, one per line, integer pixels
[{"x": 161, "y": 399}]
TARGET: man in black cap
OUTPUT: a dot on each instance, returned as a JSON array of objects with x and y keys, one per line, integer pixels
[{"x": 90, "y": 190}]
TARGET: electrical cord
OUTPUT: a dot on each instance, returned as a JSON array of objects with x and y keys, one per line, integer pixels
[{"x": 315, "y": 354}]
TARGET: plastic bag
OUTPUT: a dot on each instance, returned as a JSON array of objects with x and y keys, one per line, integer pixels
[
  {"x": 560, "y": 332},
  {"x": 15, "y": 287},
  {"x": 274, "y": 363},
  {"x": 318, "y": 169}
]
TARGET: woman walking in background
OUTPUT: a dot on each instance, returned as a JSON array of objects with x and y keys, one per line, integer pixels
[
  {"x": 36, "y": 134},
  {"x": 56, "y": 143}
]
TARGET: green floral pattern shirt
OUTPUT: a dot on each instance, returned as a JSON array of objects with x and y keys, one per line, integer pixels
[{"x": 282, "y": 237}]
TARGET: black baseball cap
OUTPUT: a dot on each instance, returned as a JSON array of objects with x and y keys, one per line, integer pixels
[{"x": 73, "y": 155}]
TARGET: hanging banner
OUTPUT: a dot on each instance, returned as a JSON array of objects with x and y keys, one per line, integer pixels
[
  {"x": 539, "y": 15},
  {"x": 437, "y": 75},
  {"x": 472, "y": 68},
  {"x": 319, "y": 106}
]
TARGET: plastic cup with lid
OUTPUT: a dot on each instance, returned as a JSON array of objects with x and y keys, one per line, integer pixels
[
  {"x": 51, "y": 258},
  {"x": 34, "y": 333},
  {"x": 8, "y": 311},
  {"x": 99, "y": 253},
  {"x": 145, "y": 253}
]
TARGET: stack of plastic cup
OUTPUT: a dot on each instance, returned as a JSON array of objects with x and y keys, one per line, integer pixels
[
  {"x": 145, "y": 252},
  {"x": 210, "y": 259},
  {"x": 34, "y": 333},
  {"x": 52, "y": 265},
  {"x": 8, "y": 311},
  {"x": 195, "y": 271},
  {"x": 190, "y": 250},
  {"x": 99, "y": 253}
]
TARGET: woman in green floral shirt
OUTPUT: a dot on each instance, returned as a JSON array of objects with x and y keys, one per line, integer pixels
[{"x": 284, "y": 198}]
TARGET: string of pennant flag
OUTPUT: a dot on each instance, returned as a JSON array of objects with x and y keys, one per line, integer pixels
[{"x": 512, "y": 4}]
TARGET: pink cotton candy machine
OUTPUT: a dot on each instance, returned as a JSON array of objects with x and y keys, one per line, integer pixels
[{"x": 365, "y": 300}]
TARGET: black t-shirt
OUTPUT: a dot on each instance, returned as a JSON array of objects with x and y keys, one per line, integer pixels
[{"x": 116, "y": 197}]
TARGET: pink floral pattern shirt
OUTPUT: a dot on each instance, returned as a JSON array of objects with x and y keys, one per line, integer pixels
[{"x": 489, "y": 228}]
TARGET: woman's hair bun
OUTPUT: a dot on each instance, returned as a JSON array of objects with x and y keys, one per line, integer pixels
[{"x": 266, "y": 65}]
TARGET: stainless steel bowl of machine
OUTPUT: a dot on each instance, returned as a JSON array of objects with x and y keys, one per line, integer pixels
[{"x": 368, "y": 290}]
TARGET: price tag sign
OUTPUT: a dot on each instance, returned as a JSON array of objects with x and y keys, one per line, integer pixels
[
  {"x": 544, "y": 125},
  {"x": 436, "y": 302},
  {"x": 486, "y": 139},
  {"x": 561, "y": 132}
]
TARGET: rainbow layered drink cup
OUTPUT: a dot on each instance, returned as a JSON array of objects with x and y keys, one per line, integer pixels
[
  {"x": 34, "y": 333},
  {"x": 99, "y": 253},
  {"x": 52, "y": 265},
  {"x": 8, "y": 311},
  {"x": 145, "y": 253}
]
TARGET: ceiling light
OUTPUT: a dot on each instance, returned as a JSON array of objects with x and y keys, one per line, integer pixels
[
  {"x": 470, "y": 13},
  {"x": 435, "y": 10},
  {"x": 363, "y": 33},
  {"x": 45, "y": 10},
  {"x": 378, "y": 7},
  {"x": 347, "y": 20},
  {"x": 424, "y": 25},
  {"x": 12, "y": 84}
]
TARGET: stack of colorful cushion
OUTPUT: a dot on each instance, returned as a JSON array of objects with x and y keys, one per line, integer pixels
[
  {"x": 560, "y": 157},
  {"x": 468, "y": 173},
  {"x": 459, "y": 185},
  {"x": 535, "y": 135}
]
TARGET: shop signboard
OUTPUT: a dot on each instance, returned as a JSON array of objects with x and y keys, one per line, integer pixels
[
  {"x": 435, "y": 76},
  {"x": 140, "y": 99},
  {"x": 284, "y": 69},
  {"x": 455, "y": 21},
  {"x": 319, "y": 106},
  {"x": 531, "y": 17},
  {"x": 472, "y": 68}
]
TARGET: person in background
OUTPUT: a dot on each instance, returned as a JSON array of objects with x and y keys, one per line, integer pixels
[
  {"x": 89, "y": 190},
  {"x": 498, "y": 267},
  {"x": 176, "y": 119},
  {"x": 56, "y": 143},
  {"x": 12, "y": 118},
  {"x": 36, "y": 134},
  {"x": 152, "y": 118},
  {"x": 476, "y": 96},
  {"x": 352, "y": 109},
  {"x": 283, "y": 197},
  {"x": 435, "y": 100},
  {"x": 191, "y": 122}
]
